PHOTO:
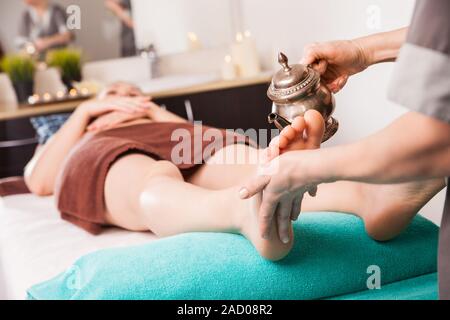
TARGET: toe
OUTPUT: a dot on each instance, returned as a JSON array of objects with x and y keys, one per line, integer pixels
[
  {"x": 299, "y": 124},
  {"x": 289, "y": 132},
  {"x": 274, "y": 151},
  {"x": 274, "y": 142},
  {"x": 315, "y": 128},
  {"x": 283, "y": 142}
]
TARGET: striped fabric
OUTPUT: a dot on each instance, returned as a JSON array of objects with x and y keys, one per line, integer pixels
[{"x": 47, "y": 126}]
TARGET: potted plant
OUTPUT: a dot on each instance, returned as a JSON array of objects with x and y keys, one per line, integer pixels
[
  {"x": 68, "y": 61},
  {"x": 20, "y": 69}
]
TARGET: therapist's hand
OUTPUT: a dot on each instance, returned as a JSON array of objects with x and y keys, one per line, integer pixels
[
  {"x": 283, "y": 188},
  {"x": 336, "y": 61}
]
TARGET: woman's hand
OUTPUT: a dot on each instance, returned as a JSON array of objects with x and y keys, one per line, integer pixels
[
  {"x": 41, "y": 44},
  {"x": 133, "y": 106},
  {"x": 112, "y": 119},
  {"x": 336, "y": 61},
  {"x": 283, "y": 185}
]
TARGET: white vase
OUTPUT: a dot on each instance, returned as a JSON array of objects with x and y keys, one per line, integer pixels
[
  {"x": 8, "y": 96},
  {"x": 48, "y": 81}
]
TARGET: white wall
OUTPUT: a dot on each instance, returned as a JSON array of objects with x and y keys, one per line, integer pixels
[
  {"x": 166, "y": 23},
  {"x": 99, "y": 34},
  {"x": 287, "y": 25}
]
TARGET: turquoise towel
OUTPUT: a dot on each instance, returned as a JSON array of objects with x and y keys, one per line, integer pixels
[
  {"x": 420, "y": 288},
  {"x": 331, "y": 255}
]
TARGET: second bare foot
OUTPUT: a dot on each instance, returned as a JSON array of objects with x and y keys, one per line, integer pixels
[
  {"x": 388, "y": 209},
  {"x": 271, "y": 248}
]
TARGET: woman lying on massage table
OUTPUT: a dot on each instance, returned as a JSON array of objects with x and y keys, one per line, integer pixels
[{"x": 111, "y": 164}]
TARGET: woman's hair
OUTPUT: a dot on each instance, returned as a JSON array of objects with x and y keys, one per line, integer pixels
[{"x": 119, "y": 85}]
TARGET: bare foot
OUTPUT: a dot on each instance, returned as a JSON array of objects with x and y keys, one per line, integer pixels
[
  {"x": 304, "y": 133},
  {"x": 388, "y": 209},
  {"x": 271, "y": 248}
]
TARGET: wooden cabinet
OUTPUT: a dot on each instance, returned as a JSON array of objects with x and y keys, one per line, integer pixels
[
  {"x": 237, "y": 108},
  {"x": 244, "y": 107},
  {"x": 17, "y": 144}
]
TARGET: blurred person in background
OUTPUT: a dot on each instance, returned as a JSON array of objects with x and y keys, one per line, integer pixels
[
  {"x": 1, "y": 51},
  {"x": 122, "y": 10},
  {"x": 43, "y": 27}
]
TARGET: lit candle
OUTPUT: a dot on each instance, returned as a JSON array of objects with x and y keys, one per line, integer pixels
[
  {"x": 30, "y": 48},
  {"x": 245, "y": 55},
  {"x": 47, "y": 97},
  {"x": 73, "y": 93},
  {"x": 228, "y": 68},
  {"x": 84, "y": 91},
  {"x": 193, "y": 42},
  {"x": 60, "y": 94},
  {"x": 239, "y": 37},
  {"x": 33, "y": 99}
]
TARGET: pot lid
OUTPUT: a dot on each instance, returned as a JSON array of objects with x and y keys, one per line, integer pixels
[{"x": 292, "y": 81}]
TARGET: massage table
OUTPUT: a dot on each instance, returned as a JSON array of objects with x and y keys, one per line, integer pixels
[{"x": 36, "y": 245}]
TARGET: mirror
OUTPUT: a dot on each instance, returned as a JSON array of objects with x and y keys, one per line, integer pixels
[
  {"x": 158, "y": 38},
  {"x": 179, "y": 25},
  {"x": 173, "y": 26}
]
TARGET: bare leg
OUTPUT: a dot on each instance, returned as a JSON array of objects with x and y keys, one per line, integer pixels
[
  {"x": 156, "y": 198},
  {"x": 385, "y": 209},
  {"x": 389, "y": 209}
]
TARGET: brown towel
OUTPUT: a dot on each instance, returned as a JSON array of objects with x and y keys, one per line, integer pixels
[
  {"x": 12, "y": 186},
  {"x": 80, "y": 187}
]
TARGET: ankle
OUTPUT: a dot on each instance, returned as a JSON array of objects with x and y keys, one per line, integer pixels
[
  {"x": 239, "y": 210},
  {"x": 231, "y": 214}
]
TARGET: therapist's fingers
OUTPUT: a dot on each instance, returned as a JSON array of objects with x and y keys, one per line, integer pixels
[
  {"x": 283, "y": 215},
  {"x": 320, "y": 66},
  {"x": 254, "y": 186},
  {"x": 296, "y": 207},
  {"x": 266, "y": 215},
  {"x": 337, "y": 84},
  {"x": 311, "y": 53},
  {"x": 341, "y": 82},
  {"x": 312, "y": 191},
  {"x": 315, "y": 54}
]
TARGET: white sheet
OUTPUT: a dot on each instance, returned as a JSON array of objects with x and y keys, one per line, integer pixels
[{"x": 35, "y": 244}]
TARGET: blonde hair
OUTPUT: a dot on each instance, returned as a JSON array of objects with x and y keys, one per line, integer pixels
[{"x": 102, "y": 93}]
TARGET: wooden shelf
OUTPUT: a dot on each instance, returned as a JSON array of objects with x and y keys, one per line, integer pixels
[{"x": 14, "y": 112}]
